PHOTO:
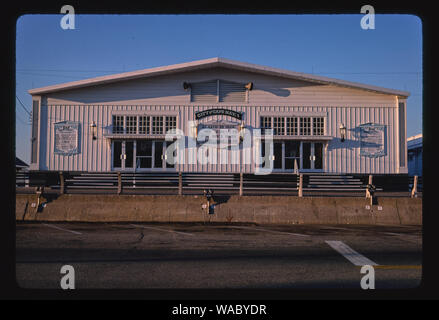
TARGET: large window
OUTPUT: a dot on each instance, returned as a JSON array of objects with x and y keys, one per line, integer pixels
[
  {"x": 293, "y": 126},
  {"x": 158, "y": 125}
]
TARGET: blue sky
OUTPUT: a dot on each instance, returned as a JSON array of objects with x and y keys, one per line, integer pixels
[{"x": 329, "y": 45}]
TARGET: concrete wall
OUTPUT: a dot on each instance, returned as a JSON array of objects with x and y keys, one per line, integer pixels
[{"x": 266, "y": 209}]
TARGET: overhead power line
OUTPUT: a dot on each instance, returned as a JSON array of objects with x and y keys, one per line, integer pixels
[{"x": 23, "y": 105}]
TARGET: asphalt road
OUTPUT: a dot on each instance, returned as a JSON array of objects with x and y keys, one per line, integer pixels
[{"x": 133, "y": 255}]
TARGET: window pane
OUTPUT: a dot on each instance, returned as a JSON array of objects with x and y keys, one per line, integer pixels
[
  {"x": 129, "y": 151},
  {"x": 171, "y": 123},
  {"x": 131, "y": 124},
  {"x": 144, "y": 148},
  {"x": 278, "y": 126},
  {"x": 144, "y": 125},
  {"x": 278, "y": 155},
  {"x": 318, "y": 153},
  {"x": 292, "y": 149},
  {"x": 292, "y": 126},
  {"x": 306, "y": 148},
  {"x": 305, "y": 126},
  {"x": 318, "y": 126},
  {"x": 158, "y": 153},
  {"x": 265, "y": 124},
  {"x": 117, "y": 124},
  {"x": 144, "y": 162},
  {"x": 117, "y": 151},
  {"x": 157, "y": 125}
]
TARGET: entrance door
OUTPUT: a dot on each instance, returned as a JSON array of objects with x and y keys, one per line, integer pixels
[
  {"x": 306, "y": 155},
  {"x": 312, "y": 155},
  {"x": 123, "y": 155},
  {"x": 151, "y": 155},
  {"x": 292, "y": 155},
  {"x": 144, "y": 154},
  {"x": 318, "y": 155},
  {"x": 117, "y": 154},
  {"x": 277, "y": 155}
]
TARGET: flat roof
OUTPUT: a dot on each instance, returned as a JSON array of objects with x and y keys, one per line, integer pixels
[
  {"x": 210, "y": 63},
  {"x": 414, "y": 142}
]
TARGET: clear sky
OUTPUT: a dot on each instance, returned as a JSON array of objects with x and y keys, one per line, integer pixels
[{"x": 329, "y": 45}]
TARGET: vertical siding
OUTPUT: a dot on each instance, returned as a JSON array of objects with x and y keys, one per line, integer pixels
[{"x": 339, "y": 157}]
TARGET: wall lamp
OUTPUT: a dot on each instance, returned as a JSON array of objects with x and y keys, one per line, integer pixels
[
  {"x": 249, "y": 86},
  {"x": 94, "y": 130},
  {"x": 186, "y": 85},
  {"x": 342, "y": 132}
]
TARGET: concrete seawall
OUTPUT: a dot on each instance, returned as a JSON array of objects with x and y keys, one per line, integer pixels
[{"x": 260, "y": 209}]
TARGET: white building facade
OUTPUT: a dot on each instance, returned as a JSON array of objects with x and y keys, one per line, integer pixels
[{"x": 119, "y": 122}]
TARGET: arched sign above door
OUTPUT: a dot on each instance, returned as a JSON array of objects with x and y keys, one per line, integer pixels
[{"x": 213, "y": 112}]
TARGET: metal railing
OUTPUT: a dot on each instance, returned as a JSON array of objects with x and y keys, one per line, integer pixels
[{"x": 306, "y": 184}]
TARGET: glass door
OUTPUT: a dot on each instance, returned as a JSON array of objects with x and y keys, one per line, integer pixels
[
  {"x": 318, "y": 155},
  {"x": 277, "y": 163},
  {"x": 144, "y": 154},
  {"x": 292, "y": 155},
  {"x": 123, "y": 155},
  {"x": 312, "y": 156},
  {"x": 306, "y": 155},
  {"x": 117, "y": 155}
]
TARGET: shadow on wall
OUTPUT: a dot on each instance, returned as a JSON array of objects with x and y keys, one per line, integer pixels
[
  {"x": 164, "y": 86},
  {"x": 350, "y": 144},
  {"x": 282, "y": 92}
]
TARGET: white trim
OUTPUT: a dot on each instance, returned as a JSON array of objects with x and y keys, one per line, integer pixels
[{"x": 292, "y": 114}]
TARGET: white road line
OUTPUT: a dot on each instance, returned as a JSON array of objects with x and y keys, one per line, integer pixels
[
  {"x": 59, "y": 228},
  {"x": 268, "y": 230},
  {"x": 160, "y": 229},
  {"x": 350, "y": 254}
]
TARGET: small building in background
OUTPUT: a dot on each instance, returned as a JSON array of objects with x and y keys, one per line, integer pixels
[
  {"x": 20, "y": 164},
  {"x": 414, "y": 153}
]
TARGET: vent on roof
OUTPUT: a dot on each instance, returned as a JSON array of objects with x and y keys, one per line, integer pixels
[
  {"x": 204, "y": 91},
  {"x": 218, "y": 91},
  {"x": 231, "y": 92}
]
